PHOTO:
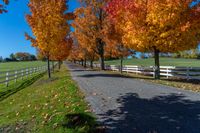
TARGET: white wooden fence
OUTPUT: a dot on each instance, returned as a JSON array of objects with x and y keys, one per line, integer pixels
[
  {"x": 165, "y": 71},
  {"x": 14, "y": 75}
]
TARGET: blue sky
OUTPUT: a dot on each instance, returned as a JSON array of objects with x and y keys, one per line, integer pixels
[{"x": 13, "y": 25}]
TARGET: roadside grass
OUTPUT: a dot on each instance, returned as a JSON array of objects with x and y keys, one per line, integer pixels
[
  {"x": 48, "y": 105},
  {"x": 163, "y": 62},
  {"x": 19, "y": 65},
  {"x": 191, "y": 85},
  {"x": 14, "y": 87}
]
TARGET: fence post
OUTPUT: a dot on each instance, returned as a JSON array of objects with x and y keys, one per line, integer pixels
[
  {"x": 27, "y": 73},
  {"x": 22, "y": 73},
  {"x": 16, "y": 76},
  {"x": 137, "y": 69},
  {"x": 167, "y": 73},
  {"x": 7, "y": 79}
]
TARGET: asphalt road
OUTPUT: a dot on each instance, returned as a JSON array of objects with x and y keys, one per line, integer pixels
[{"x": 127, "y": 105}]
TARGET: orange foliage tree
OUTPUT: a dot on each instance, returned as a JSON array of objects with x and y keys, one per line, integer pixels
[
  {"x": 48, "y": 20},
  {"x": 156, "y": 25},
  {"x": 88, "y": 25},
  {"x": 76, "y": 53},
  {"x": 62, "y": 51},
  {"x": 114, "y": 46}
]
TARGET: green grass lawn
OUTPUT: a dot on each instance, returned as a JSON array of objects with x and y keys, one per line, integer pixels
[
  {"x": 20, "y": 65},
  {"x": 163, "y": 62},
  {"x": 47, "y": 106}
]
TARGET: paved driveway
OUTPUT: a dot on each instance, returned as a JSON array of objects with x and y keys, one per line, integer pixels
[{"x": 127, "y": 105}]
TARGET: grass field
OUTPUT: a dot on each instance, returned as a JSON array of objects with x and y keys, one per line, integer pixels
[
  {"x": 54, "y": 105},
  {"x": 163, "y": 62},
  {"x": 20, "y": 65}
]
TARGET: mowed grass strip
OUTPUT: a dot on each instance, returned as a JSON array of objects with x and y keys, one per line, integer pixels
[
  {"x": 20, "y": 65},
  {"x": 190, "y": 85},
  {"x": 163, "y": 62},
  {"x": 48, "y": 105},
  {"x": 14, "y": 87}
]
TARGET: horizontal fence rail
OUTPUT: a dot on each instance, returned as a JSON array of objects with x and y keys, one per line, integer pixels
[
  {"x": 14, "y": 75},
  {"x": 189, "y": 73}
]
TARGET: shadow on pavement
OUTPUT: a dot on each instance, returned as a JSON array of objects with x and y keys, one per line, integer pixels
[
  {"x": 162, "y": 114},
  {"x": 104, "y": 75}
]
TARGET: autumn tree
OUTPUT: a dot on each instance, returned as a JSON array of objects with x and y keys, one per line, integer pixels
[
  {"x": 48, "y": 20},
  {"x": 114, "y": 45},
  {"x": 88, "y": 25},
  {"x": 62, "y": 51},
  {"x": 76, "y": 54},
  {"x": 156, "y": 25}
]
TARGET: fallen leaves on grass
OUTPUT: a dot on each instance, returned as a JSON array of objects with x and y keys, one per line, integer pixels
[{"x": 17, "y": 114}]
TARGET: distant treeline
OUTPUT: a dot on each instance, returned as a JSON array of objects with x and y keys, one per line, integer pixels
[
  {"x": 19, "y": 56},
  {"x": 190, "y": 54}
]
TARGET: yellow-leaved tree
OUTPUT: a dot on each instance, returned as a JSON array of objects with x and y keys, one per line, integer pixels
[
  {"x": 88, "y": 25},
  {"x": 48, "y": 20},
  {"x": 156, "y": 25}
]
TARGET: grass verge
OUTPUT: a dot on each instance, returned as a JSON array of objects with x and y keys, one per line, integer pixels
[
  {"x": 48, "y": 105},
  {"x": 190, "y": 85},
  {"x": 19, "y": 85}
]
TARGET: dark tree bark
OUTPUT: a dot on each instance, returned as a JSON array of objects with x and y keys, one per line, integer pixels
[
  {"x": 85, "y": 63},
  {"x": 48, "y": 67},
  {"x": 102, "y": 64},
  {"x": 59, "y": 64},
  {"x": 82, "y": 62},
  {"x": 157, "y": 64},
  {"x": 121, "y": 64},
  {"x": 91, "y": 64},
  {"x": 100, "y": 48},
  {"x": 53, "y": 66}
]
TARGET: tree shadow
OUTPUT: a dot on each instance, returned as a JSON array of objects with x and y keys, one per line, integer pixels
[
  {"x": 82, "y": 122},
  {"x": 162, "y": 114},
  {"x": 15, "y": 88},
  {"x": 104, "y": 75},
  {"x": 82, "y": 70}
]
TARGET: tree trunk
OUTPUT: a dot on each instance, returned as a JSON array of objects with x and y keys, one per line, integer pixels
[
  {"x": 53, "y": 66},
  {"x": 48, "y": 66},
  {"x": 91, "y": 64},
  {"x": 102, "y": 65},
  {"x": 82, "y": 63},
  {"x": 85, "y": 63},
  {"x": 59, "y": 65},
  {"x": 157, "y": 64},
  {"x": 121, "y": 64},
  {"x": 101, "y": 53}
]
